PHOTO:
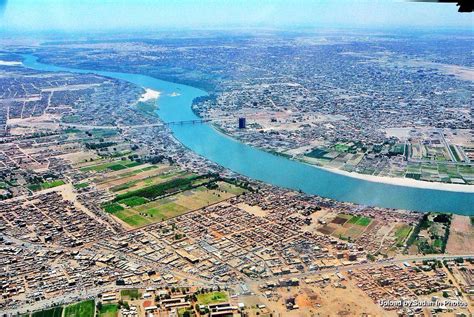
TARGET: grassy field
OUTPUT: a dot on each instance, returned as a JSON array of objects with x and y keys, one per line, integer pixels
[
  {"x": 158, "y": 178},
  {"x": 230, "y": 188},
  {"x": 72, "y": 130},
  {"x": 401, "y": 234},
  {"x": 115, "y": 179},
  {"x": 112, "y": 207},
  {"x": 81, "y": 185},
  {"x": 133, "y": 201},
  {"x": 213, "y": 297},
  {"x": 130, "y": 293},
  {"x": 151, "y": 192},
  {"x": 347, "y": 227},
  {"x": 82, "y": 309},
  {"x": 46, "y": 185},
  {"x": 108, "y": 310},
  {"x": 52, "y": 312},
  {"x": 112, "y": 166},
  {"x": 103, "y": 133},
  {"x": 174, "y": 205},
  {"x": 342, "y": 147},
  {"x": 317, "y": 153},
  {"x": 163, "y": 208},
  {"x": 360, "y": 220}
]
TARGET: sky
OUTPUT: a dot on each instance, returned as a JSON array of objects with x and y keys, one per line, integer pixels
[{"x": 107, "y": 15}]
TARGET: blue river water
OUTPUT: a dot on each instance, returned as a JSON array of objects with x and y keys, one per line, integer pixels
[{"x": 277, "y": 170}]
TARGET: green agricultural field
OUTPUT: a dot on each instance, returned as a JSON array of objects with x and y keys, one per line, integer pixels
[
  {"x": 82, "y": 309},
  {"x": 103, "y": 133},
  {"x": 133, "y": 164},
  {"x": 152, "y": 167},
  {"x": 72, "y": 130},
  {"x": 151, "y": 215},
  {"x": 133, "y": 201},
  {"x": 130, "y": 293},
  {"x": 122, "y": 186},
  {"x": 81, "y": 185},
  {"x": 455, "y": 153},
  {"x": 112, "y": 207},
  {"x": 416, "y": 176},
  {"x": 135, "y": 220},
  {"x": 466, "y": 169},
  {"x": 34, "y": 187},
  {"x": 145, "y": 182},
  {"x": 364, "y": 221},
  {"x": 229, "y": 188},
  {"x": 401, "y": 234},
  {"x": 71, "y": 118},
  {"x": 438, "y": 243},
  {"x": 360, "y": 220},
  {"x": 342, "y": 147},
  {"x": 117, "y": 167},
  {"x": 46, "y": 185},
  {"x": 108, "y": 310},
  {"x": 97, "y": 168},
  {"x": 52, "y": 184},
  {"x": 157, "y": 190},
  {"x": 132, "y": 218},
  {"x": 317, "y": 153},
  {"x": 51, "y": 312},
  {"x": 213, "y": 297},
  {"x": 112, "y": 166},
  {"x": 162, "y": 209},
  {"x": 174, "y": 205}
]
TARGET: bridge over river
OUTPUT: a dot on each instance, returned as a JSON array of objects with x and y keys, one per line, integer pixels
[{"x": 197, "y": 135}]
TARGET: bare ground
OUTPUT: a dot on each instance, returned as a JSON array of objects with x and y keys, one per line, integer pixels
[{"x": 461, "y": 236}]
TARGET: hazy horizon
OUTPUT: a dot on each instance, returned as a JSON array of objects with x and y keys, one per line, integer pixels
[{"x": 89, "y": 16}]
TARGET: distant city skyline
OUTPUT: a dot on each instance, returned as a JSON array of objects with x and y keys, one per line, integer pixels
[{"x": 88, "y": 15}]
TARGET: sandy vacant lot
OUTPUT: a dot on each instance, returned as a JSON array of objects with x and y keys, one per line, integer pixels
[
  {"x": 461, "y": 236},
  {"x": 254, "y": 210},
  {"x": 329, "y": 301}
]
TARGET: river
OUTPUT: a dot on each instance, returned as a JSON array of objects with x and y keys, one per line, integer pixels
[{"x": 175, "y": 105}]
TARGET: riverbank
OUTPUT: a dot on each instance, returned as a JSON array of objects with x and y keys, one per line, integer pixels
[{"x": 397, "y": 181}]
